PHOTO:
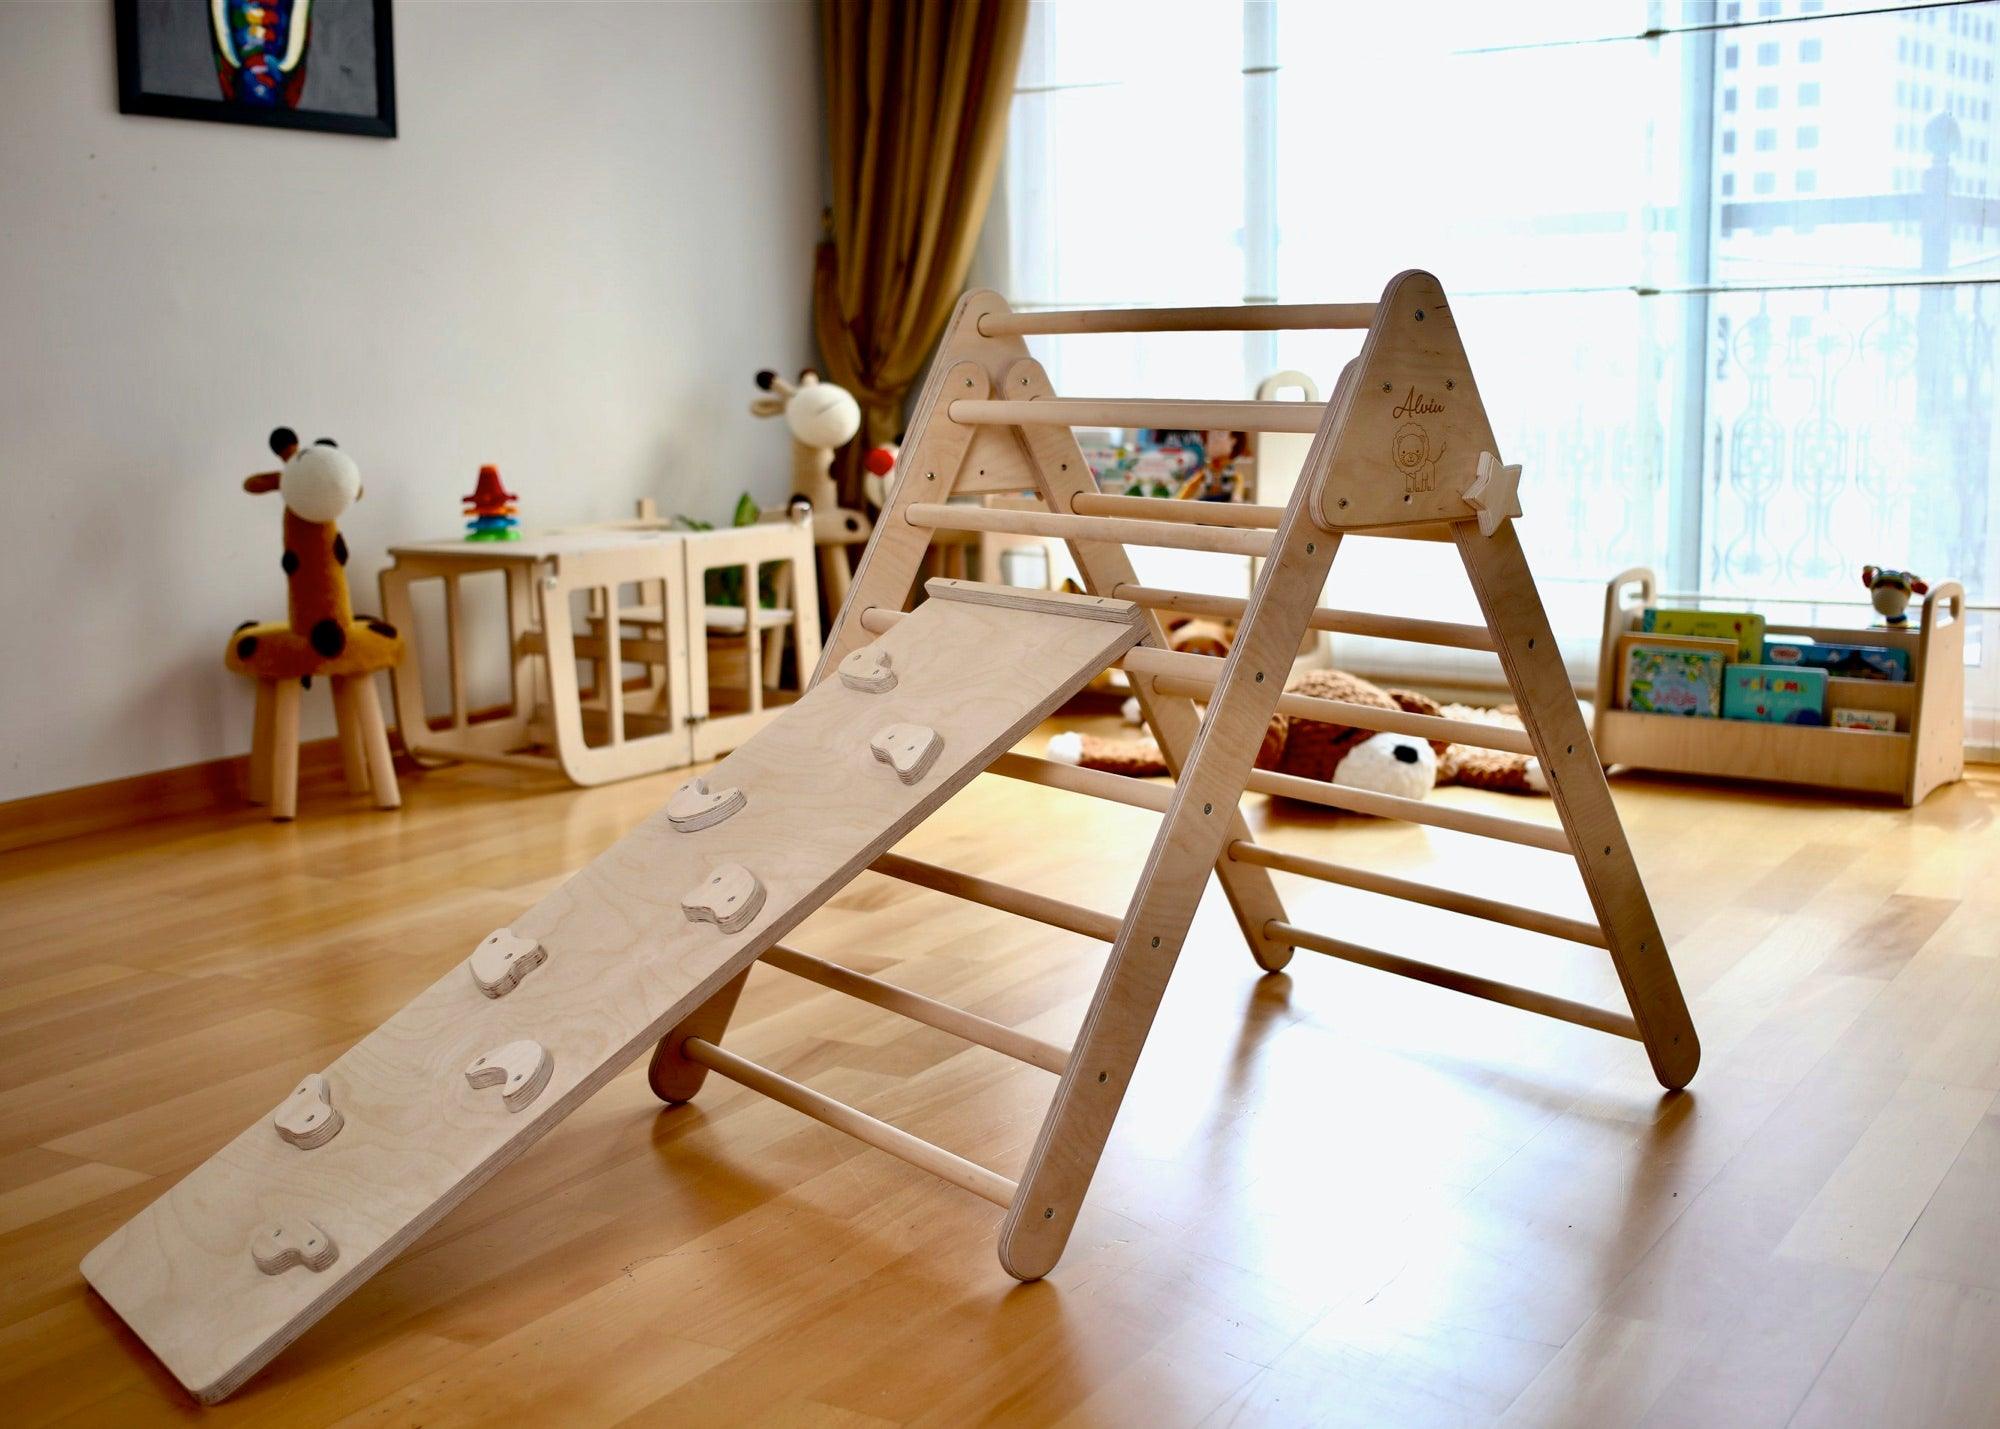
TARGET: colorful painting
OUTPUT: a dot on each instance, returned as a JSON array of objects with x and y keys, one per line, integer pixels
[{"x": 297, "y": 64}]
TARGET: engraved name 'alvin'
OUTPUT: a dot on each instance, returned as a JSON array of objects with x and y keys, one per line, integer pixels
[{"x": 1417, "y": 404}]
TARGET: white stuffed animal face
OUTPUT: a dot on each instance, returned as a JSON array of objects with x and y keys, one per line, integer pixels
[
  {"x": 818, "y": 413},
  {"x": 319, "y": 482},
  {"x": 823, "y": 415},
  {"x": 1389, "y": 764}
]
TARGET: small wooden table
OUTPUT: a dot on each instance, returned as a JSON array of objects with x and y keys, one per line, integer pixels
[{"x": 616, "y": 729}]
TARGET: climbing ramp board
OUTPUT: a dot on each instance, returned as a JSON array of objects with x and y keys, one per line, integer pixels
[{"x": 274, "y": 1230}]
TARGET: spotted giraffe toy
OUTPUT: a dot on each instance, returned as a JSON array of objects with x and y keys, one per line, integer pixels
[{"x": 319, "y": 636}]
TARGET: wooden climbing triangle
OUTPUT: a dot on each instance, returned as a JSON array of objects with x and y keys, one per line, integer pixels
[{"x": 652, "y": 942}]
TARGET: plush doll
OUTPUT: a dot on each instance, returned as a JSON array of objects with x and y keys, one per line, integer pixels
[
  {"x": 321, "y": 634},
  {"x": 1384, "y": 763},
  {"x": 820, "y": 417},
  {"x": 1890, "y": 591}
]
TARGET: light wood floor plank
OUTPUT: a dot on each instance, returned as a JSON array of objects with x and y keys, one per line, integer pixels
[{"x": 1332, "y": 1198}]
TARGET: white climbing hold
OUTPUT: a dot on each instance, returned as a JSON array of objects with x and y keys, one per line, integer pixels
[
  {"x": 909, "y": 749},
  {"x": 867, "y": 670},
  {"x": 695, "y": 806},
  {"x": 729, "y": 898},
  {"x": 520, "y": 1069},
  {"x": 283, "y": 1244},
  {"x": 502, "y": 959},
  {"x": 307, "y": 1118}
]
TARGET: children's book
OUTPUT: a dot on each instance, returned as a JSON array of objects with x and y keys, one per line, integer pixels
[
  {"x": 1745, "y": 629},
  {"x": 1669, "y": 677},
  {"x": 1884, "y": 720},
  {"x": 1775, "y": 694},
  {"x": 1850, "y": 662}
]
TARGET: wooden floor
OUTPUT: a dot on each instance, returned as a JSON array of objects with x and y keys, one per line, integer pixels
[{"x": 1334, "y": 1197}]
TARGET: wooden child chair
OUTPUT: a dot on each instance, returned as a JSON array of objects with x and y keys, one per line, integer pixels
[{"x": 319, "y": 636}]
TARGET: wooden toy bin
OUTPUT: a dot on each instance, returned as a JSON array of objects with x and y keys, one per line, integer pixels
[{"x": 1926, "y": 749}]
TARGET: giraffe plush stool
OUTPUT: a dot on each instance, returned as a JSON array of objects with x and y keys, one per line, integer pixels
[{"x": 320, "y": 636}]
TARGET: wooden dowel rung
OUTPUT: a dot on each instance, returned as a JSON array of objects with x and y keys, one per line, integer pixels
[
  {"x": 949, "y": 1166},
  {"x": 918, "y": 1008},
  {"x": 1004, "y": 897},
  {"x": 1414, "y": 811},
  {"x": 1139, "y": 412},
  {"x": 940, "y": 517},
  {"x": 1258, "y": 317},
  {"x": 1116, "y": 788},
  {"x": 1179, "y": 672},
  {"x": 1451, "y": 900},
  {"x": 875, "y": 620},
  {"x": 1528, "y": 1000},
  {"x": 1342, "y": 622},
  {"x": 1240, "y": 515}
]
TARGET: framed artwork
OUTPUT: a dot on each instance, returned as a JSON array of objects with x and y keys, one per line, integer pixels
[{"x": 291, "y": 64}]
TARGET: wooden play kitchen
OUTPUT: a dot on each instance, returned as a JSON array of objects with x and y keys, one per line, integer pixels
[
  {"x": 651, "y": 943},
  {"x": 1926, "y": 747},
  {"x": 565, "y": 606}
]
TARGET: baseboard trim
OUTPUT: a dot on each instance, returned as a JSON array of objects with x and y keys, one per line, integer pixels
[{"x": 218, "y": 784}]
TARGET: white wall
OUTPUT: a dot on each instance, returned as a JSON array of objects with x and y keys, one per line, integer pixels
[{"x": 596, "y": 226}]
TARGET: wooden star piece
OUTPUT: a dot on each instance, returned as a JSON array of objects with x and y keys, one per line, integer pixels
[{"x": 1495, "y": 493}]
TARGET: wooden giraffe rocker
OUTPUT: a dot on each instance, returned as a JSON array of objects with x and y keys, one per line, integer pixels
[
  {"x": 1402, "y": 451},
  {"x": 319, "y": 636}
]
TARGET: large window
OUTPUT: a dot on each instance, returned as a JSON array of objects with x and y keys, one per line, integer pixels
[{"x": 1729, "y": 273}]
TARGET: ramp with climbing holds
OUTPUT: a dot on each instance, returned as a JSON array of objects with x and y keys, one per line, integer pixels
[{"x": 259, "y": 1242}]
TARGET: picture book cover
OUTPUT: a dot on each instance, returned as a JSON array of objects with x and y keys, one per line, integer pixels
[
  {"x": 1883, "y": 720},
  {"x": 1775, "y": 694},
  {"x": 1667, "y": 679},
  {"x": 1745, "y": 629},
  {"x": 1850, "y": 662}
]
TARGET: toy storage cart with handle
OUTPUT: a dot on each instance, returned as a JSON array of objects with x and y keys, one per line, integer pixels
[
  {"x": 904, "y": 709},
  {"x": 1924, "y": 750}
]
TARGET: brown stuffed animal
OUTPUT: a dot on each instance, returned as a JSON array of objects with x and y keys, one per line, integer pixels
[{"x": 1314, "y": 749}]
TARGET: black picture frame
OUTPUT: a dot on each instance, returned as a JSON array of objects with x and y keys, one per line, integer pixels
[{"x": 134, "y": 99}]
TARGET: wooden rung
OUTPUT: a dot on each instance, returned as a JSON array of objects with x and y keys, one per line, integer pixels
[
  {"x": 1191, "y": 513},
  {"x": 1006, "y": 898},
  {"x": 1342, "y": 622},
  {"x": 968, "y": 1175},
  {"x": 1259, "y": 317},
  {"x": 1139, "y": 793},
  {"x": 877, "y": 621},
  {"x": 1451, "y": 900},
  {"x": 1179, "y": 672},
  {"x": 1414, "y": 811},
  {"x": 1140, "y": 412},
  {"x": 1528, "y": 1000},
  {"x": 940, "y": 517},
  {"x": 918, "y": 1008}
]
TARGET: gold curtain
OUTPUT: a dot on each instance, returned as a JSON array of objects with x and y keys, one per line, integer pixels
[{"x": 916, "y": 117}]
